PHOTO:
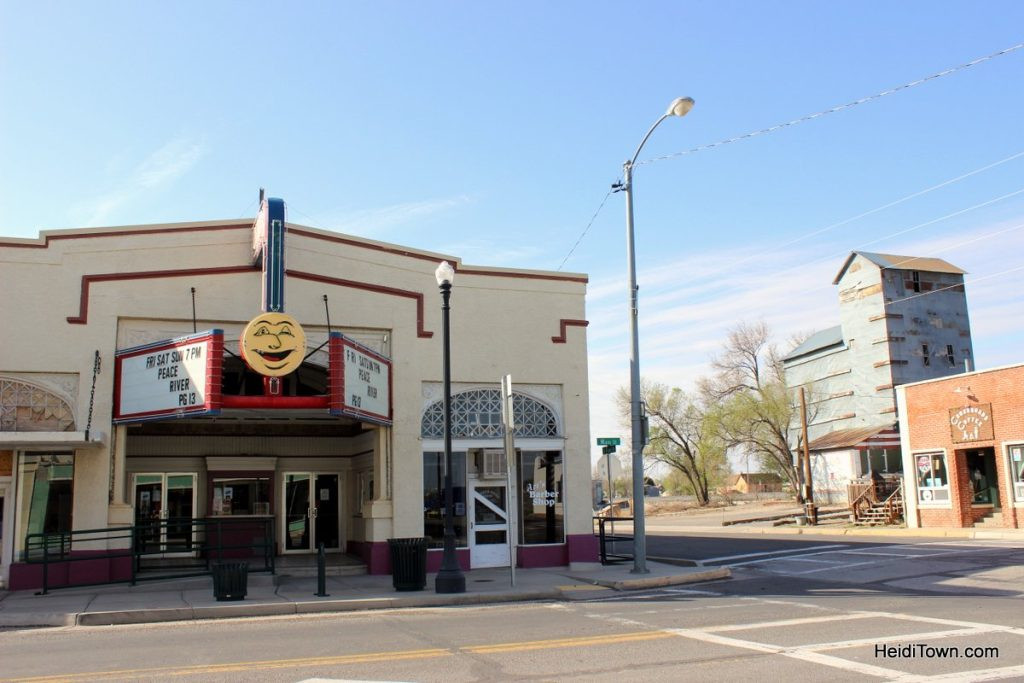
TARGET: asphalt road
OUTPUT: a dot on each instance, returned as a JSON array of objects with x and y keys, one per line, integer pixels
[
  {"x": 860, "y": 611},
  {"x": 755, "y": 628},
  {"x": 704, "y": 548}
]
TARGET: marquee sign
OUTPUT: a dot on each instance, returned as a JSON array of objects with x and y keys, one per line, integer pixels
[
  {"x": 170, "y": 378},
  {"x": 360, "y": 380},
  {"x": 971, "y": 423}
]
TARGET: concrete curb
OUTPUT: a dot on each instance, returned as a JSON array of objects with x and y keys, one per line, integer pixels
[
  {"x": 241, "y": 609},
  {"x": 660, "y": 581},
  {"x": 585, "y": 586}
]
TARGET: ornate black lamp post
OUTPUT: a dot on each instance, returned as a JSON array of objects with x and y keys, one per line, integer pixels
[{"x": 450, "y": 578}]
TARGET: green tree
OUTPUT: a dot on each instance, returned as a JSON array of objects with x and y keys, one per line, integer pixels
[
  {"x": 684, "y": 436},
  {"x": 755, "y": 406}
]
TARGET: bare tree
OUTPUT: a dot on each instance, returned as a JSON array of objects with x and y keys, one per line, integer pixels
[
  {"x": 684, "y": 435},
  {"x": 756, "y": 407}
]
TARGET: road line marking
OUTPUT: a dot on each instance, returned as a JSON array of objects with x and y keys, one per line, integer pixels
[
  {"x": 785, "y": 622},
  {"x": 868, "y": 552},
  {"x": 844, "y": 664},
  {"x": 826, "y": 569},
  {"x": 807, "y": 559},
  {"x": 931, "y": 635},
  {"x": 977, "y": 675},
  {"x": 949, "y": 622},
  {"x": 813, "y": 657},
  {"x": 371, "y": 657},
  {"x": 567, "y": 642},
  {"x": 772, "y": 552}
]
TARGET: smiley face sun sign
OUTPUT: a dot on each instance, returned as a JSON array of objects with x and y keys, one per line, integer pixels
[{"x": 273, "y": 344}]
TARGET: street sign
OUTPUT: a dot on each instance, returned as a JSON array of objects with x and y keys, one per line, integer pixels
[
  {"x": 609, "y": 441},
  {"x": 607, "y": 449}
]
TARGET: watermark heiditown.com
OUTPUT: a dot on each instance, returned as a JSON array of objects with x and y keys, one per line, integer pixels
[{"x": 926, "y": 651}]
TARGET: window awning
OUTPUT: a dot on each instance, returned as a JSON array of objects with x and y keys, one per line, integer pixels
[{"x": 46, "y": 441}]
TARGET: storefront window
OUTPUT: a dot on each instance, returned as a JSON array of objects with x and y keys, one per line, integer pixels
[
  {"x": 241, "y": 496},
  {"x": 882, "y": 460},
  {"x": 1017, "y": 471},
  {"x": 433, "y": 498},
  {"x": 541, "y": 499},
  {"x": 45, "y": 495},
  {"x": 932, "y": 478}
]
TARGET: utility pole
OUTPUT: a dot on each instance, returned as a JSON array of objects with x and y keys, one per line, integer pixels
[{"x": 811, "y": 511}]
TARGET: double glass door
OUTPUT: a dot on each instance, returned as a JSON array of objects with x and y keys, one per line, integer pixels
[
  {"x": 488, "y": 525},
  {"x": 165, "y": 506},
  {"x": 312, "y": 512}
]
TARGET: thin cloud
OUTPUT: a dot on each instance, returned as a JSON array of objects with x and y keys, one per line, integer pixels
[
  {"x": 157, "y": 171},
  {"x": 684, "y": 323}
]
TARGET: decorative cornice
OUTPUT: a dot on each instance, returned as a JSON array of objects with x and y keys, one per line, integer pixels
[
  {"x": 563, "y": 324},
  {"x": 417, "y": 297},
  {"x": 83, "y": 304},
  {"x": 44, "y": 241}
]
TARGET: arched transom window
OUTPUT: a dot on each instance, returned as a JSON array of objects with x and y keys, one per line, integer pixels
[
  {"x": 28, "y": 408},
  {"x": 476, "y": 414}
]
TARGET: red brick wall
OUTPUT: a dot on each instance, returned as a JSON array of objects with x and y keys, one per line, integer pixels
[{"x": 928, "y": 407}]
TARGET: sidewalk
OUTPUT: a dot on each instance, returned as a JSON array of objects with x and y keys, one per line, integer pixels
[{"x": 186, "y": 599}]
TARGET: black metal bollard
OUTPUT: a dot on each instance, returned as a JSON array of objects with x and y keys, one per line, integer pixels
[{"x": 321, "y": 572}]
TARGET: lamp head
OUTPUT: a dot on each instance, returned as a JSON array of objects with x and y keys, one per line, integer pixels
[
  {"x": 680, "y": 106},
  {"x": 444, "y": 273}
]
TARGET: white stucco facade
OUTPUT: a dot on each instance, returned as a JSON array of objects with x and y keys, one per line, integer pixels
[{"x": 77, "y": 293}]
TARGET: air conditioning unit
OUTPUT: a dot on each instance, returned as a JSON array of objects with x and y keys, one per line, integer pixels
[{"x": 493, "y": 464}]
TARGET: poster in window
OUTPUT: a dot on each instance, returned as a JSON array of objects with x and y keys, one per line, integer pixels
[{"x": 924, "y": 464}]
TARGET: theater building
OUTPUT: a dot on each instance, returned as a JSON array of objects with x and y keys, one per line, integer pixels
[
  {"x": 963, "y": 449},
  {"x": 292, "y": 376}
]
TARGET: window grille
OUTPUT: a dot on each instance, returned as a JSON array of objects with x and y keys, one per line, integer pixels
[
  {"x": 477, "y": 415},
  {"x": 28, "y": 408}
]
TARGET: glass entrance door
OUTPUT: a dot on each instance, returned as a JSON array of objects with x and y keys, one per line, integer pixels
[
  {"x": 488, "y": 526},
  {"x": 165, "y": 505},
  {"x": 312, "y": 512}
]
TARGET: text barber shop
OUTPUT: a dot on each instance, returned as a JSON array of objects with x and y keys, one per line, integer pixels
[{"x": 169, "y": 410}]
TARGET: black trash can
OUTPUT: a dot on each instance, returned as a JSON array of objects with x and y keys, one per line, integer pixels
[
  {"x": 230, "y": 580},
  {"x": 408, "y": 563}
]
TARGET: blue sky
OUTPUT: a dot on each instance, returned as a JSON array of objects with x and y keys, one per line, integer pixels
[{"x": 493, "y": 132}]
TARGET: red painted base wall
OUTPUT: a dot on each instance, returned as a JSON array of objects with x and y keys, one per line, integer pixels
[
  {"x": 79, "y": 571},
  {"x": 577, "y": 548}
]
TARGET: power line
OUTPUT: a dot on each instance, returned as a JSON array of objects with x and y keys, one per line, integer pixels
[
  {"x": 841, "y": 107},
  {"x": 864, "y": 214},
  {"x": 819, "y": 114},
  {"x": 954, "y": 286},
  {"x": 805, "y": 264},
  {"x": 584, "y": 233}
]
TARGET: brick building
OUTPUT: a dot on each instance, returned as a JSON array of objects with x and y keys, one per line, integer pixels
[{"x": 963, "y": 449}]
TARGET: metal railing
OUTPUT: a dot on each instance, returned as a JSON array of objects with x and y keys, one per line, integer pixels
[
  {"x": 159, "y": 549},
  {"x": 614, "y": 547}
]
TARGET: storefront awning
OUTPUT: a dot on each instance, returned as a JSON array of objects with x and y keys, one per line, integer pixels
[{"x": 46, "y": 441}]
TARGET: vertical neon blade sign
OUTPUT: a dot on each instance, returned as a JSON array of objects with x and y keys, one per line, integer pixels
[{"x": 269, "y": 244}]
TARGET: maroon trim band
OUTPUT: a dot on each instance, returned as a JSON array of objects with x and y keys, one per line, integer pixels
[
  {"x": 120, "y": 233},
  {"x": 379, "y": 289},
  {"x": 563, "y": 324},
  {"x": 83, "y": 303}
]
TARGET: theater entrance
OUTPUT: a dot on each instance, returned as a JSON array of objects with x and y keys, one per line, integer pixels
[{"x": 311, "y": 512}]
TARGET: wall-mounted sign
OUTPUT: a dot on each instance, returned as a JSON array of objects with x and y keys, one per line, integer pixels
[
  {"x": 170, "y": 378},
  {"x": 273, "y": 344},
  {"x": 360, "y": 381},
  {"x": 971, "y": 423}
]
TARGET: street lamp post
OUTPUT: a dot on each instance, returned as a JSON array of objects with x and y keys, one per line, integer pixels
[
  {"x": 679, "y": 107},
  {"x": 450, "y": 578}
]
